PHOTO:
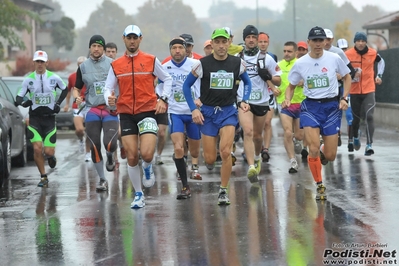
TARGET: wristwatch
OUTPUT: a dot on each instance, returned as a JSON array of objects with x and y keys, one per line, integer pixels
[
  {"x": 343, "y": 98},
  {"x": 164, "y": 98},
  {"x": 239, "y": 103}
]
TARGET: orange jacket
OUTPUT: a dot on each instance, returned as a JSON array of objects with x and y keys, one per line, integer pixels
[
  {"x": 136, "y": 83},
  {"x": 366, "y": 83}
]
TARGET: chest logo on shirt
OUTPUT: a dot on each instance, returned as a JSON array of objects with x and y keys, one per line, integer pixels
[
  {"x": 31, "y": 83},
  {"x": 52, "y": 82},
  {"x": 324, "y": 70}
]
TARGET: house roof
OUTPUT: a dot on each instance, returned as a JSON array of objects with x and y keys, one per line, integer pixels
[
  {"x": 34, "y": 6},
  {"x": 389, "y": 21}
]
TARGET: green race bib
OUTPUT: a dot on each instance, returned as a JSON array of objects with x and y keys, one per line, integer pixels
[
  {"x": 99, "y": 87},
  {"x": 148, "y": 125},
  {"x": 222, "y": 80},
  {"x": 317, "y": 82},
  {"x": 255, "y": 95},
  {"x": 42, "y": 99}
]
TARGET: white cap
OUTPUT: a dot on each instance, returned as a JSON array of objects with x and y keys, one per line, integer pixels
[
  {"x": 228, "y": 30},
  {"x": 40, "y": 55},
  {"x": 329, "y": 33},
  {"x": 132, "y": 29},
  {"x": 342, "y": 43}
]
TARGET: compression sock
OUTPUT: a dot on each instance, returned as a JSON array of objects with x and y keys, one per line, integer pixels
[{"x": 315, "y": 168}]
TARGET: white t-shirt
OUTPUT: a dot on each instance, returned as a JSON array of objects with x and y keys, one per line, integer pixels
[
  {"x": 259, "y": 93},
  {"x": 319, "y": 75},
  {"x": 338, "y": 51},
  {"x": 177, "y": 102}
]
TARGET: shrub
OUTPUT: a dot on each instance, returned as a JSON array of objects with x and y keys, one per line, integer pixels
[{"x": 24, "y": 65}]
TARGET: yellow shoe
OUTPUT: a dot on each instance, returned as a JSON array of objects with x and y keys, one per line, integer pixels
[
  {"x": 252, "y": 174},
  {"x": 258, "y": 166}
]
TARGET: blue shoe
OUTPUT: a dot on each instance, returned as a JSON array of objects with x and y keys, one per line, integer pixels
[
  {"x": 356, "y": 144},
  {"x": 138, "y": 201},
  {"x": 148, "y": 176},
  {"x": 369, "y": 150}
]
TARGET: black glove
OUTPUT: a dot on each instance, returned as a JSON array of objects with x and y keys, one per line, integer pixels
[
  {"x": 26, "y": 103},
  {"x": 264, "y": 73},
  {"x": 56, "y": 108}
]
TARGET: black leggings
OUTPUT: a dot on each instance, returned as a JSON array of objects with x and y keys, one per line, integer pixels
[{"x": 363, "y": 107}]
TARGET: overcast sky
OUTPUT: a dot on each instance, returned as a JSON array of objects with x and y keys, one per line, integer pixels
[{"x": 200, "y": 7}]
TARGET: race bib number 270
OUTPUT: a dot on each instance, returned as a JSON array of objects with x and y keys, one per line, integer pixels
[{"x": 222, "y": 80}]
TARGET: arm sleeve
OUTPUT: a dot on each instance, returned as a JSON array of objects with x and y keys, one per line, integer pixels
[
  {"x": 62, "y": 96},
  {"x": 380, "y": 65},
  {"x": 353, "y": 71},
  {"x": 247, "y": 86},
  {"x": 79, "y": 81},
  {"x": 110, "y": 84},
  {"x": 161, "y": 74},
  {"x": 190, "y": 80}
]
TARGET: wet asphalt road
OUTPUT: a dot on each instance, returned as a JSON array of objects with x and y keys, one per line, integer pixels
[{"x": 276, "y": 223}]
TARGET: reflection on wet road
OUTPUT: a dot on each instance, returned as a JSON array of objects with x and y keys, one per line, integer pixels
[{"x": 277, "y": 222}]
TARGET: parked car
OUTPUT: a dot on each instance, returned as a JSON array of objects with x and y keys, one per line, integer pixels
[
  {"x": 12, "y": 133},
  {"x": 64, "y": 119},
  {"x": 14, "y": 84}
]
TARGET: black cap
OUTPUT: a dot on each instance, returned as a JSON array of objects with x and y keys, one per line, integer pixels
[
  {"x": 188, "y": 38},
  {"x": 317, "y": 33},
  {"x": 249, "y": 29},
  {"x": 97, "y": 39}
]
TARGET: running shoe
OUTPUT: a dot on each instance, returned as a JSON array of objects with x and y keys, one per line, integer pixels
[
  {"x": 138, "y": 201},
  {"x": 185, "y": 193},
  {"x": 304, "y": 153},
  {"x": 223, "y": 199},
  {"x": 102, "y": 185},
  {"x": 158, "y": 160},
  {"x": 52, "y": 161},
  {"x": 43, "y": 182},
  {"x": 123, "y": 153},
  {"x": 81, "y": 146},
  {"x": 258, "y": 166},
  {"x": 252, "y": 174},
  {"x": 369, "y": 150},
  {"x": 195, "y": 173},
  {"x": 88, "y": 157},
  {"x": 350, "y": 147},
  {"x": 265, "y": 155},
  {"x": 323, "y": 159},
  {"x": 244, "y": 156},
  {"x": 148, "y": 176},
  {"x": 294, "y": 167},
  {"x": 210, "y": 166},
  {"x": 297, "y": 146},
  {"x": 321, "y": 192},
  {"x": 233, "y": 159},
  {"x": 339, "y": 139},
  {"x": 110, "y": 165},
  {"x": 356, "y": 144}
]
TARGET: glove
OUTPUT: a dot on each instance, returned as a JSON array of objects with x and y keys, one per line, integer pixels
[
  {"x": 26, "y": 103},
  {"x": 264, "y": 73},
  {"x": 56, "y": 108}
]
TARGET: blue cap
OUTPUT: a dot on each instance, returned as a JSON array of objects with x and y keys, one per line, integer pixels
[{"x": 360, "y": 36}]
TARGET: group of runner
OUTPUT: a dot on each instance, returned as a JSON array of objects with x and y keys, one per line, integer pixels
[{"x": 206, "y": 99}]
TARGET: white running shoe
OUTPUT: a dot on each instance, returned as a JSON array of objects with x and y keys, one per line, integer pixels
[
  {"x": 148, "y": 176},
  {"x": 138, "y": 201},
  {"x": 294, "y": 167},
  {"x": 81, "y": 146},
  {"x": 88, "y": 157}
]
